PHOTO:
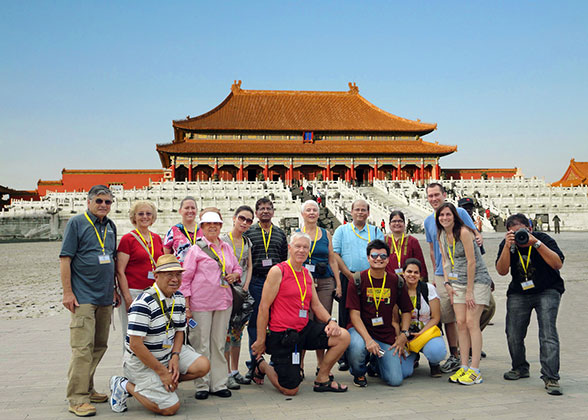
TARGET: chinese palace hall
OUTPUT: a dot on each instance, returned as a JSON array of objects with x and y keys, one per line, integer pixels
[{"x": 291, "y": 135}]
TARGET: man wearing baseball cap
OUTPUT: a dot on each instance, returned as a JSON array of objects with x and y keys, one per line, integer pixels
[{"x": 156, "y": 359}]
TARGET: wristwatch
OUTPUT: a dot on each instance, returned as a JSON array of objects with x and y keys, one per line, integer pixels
[
  {"x": 333, "y": 319},
  {"x": 406, "y": 333},
  {"x": 537, "y": 244}
]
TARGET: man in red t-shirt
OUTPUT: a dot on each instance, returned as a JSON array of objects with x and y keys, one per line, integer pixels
[
  {"x": 370, "y": 312},
  {"x": 290, "y": 294}
]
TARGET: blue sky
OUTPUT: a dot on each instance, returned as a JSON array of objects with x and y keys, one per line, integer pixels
[{"x": 96, "y": 84}]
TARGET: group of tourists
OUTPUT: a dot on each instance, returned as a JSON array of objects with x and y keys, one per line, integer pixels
[{"x": 185, "y": 301}]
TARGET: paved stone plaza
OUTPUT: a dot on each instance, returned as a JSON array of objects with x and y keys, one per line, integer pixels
[{"x": 36, "y": 354}]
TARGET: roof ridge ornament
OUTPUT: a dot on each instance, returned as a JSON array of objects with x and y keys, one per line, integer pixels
[
  {"x": 353, "y": 88},
  {"x": 236, "y": 87}
]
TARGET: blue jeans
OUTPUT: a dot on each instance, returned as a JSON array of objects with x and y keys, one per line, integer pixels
[
  {"x": 255, "y": 289},
  {"x": 388, "y": 365},
  {"x": 434, "y": 351},
  {"x": 518, "y": 316}
]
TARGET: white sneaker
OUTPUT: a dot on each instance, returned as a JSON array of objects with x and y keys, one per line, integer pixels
[{"x": 118, "y": 395}]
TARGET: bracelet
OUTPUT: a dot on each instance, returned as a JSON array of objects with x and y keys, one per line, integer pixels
[{"x": 175, "y": 352}]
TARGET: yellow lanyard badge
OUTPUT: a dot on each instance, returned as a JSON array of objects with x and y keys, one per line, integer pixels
[
  {"x": 234, "y": 249},
  {"x": 398, "y": 250},
  {"x": 269, "y": 238},
  {"x": 451, "y": 254},
  {"x": 192, "y": 240},
  {"x": 222, "y": 261},
  {"x": 369, "y": 239},
  {"x": 377, "y": 300},
  {"x": 525, "y": 266},
  {"x": 152, "y": 254},
  {"x": 169, "y": 319},
  {"x": 313, "y": 244},
  {"x": 302, "y": 295},
  {"x": 100, "y": 240}
]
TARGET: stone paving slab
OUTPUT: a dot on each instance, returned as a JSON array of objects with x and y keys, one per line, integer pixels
[{"x": 36, "y": 353}]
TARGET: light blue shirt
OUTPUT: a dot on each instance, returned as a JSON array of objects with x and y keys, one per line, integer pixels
[
  {"x": 352, "y": 248},
  {"x": 431, "y": 234}
]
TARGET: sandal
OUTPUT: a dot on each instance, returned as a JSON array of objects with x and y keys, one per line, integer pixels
[
  {"x": 258, "y": 375},
  {"x": 326, "y": 387},
  {"x": 331, "y": 376}
]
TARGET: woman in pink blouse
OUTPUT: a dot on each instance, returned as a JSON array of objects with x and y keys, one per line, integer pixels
[{"x": 211, "y": 267}]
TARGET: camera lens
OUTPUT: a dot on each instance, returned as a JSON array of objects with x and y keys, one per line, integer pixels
[{"x": 521, "y": 237}]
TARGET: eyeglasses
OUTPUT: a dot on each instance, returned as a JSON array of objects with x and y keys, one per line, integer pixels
[
  {"x": 244, "y": 219},
  {"x": 381, "y": 256},
  {"x": 100, "y": 201},
  {"x": 144, "y": 213}
]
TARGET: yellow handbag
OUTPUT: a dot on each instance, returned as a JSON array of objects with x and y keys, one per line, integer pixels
[{"x": 418, "y": 343}]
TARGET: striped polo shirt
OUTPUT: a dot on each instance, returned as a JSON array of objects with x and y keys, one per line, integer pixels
[
  {"x": 147, "y": 320},
  {"x": 277, "y": 248}
]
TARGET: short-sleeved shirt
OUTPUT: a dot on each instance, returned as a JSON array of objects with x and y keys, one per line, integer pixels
[
  {"x": 365, "y": 304},
  {"x": 542, "y": 275},
  {"x": 201, "y": 282},
  {"x": 277, "y": 249},
  {"x": 146, "y": 319},
  {"x": 285, "y": 310},
  {"x": 91, "y": 282},
  {"x": 178, "y": 242},
  {"x": 351, "y": 247},
  {"x": 423, "y": 316},
  {"x": 431, "y": 235},
  {"x": 139, "y": 264}
]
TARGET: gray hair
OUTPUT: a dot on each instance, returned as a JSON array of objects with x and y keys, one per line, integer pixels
[
  {"x": 309, "y": 203},
  {"x": 298, "y": 235},
  {"x": 99, "y": 190}
]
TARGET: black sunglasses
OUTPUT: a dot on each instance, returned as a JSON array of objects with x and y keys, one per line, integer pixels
[
  {"x": 376, "y": 256},
  {"x": 100, "y": 201},
  {"x": 245, "y": 219}
]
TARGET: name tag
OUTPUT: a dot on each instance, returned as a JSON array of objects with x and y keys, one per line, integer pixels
[
  {"x": 104, "y": 259},
  {"x": 398, "y": 271},
  {"x": 167, "y": 343},
  {"x": 526, "y": 285},
  {"x": 303, "y": 313},
  {"x": 295, "y": 358},
  {"x": 377, "y": 321},
  {"x": 452, "y": 276},
  {"x": 310, "y": 267},
  {"x": 266, "y": 263},
  {"x": 151, "y": 275}
]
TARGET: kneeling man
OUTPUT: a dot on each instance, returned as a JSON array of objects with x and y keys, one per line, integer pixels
[
  {"x": 371, "y": 312},
  {"x": 290, "y": 295},
  {"x": 156, "y": 359}
]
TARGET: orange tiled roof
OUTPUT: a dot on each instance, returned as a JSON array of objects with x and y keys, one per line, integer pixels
[
  {"x": 576, "y": 174},
  {"x": 292, "y": 147},
  {"x": 280, "y": 110}
]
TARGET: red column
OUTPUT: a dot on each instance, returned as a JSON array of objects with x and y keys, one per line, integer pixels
[
  {"x": 438, "y": 171},
  {"x": 352, "y": 172},
  {"x": 173, "y": 168},
  {"x": 328, "y": 173},
  {"x": 422, "y": 170},
  {"x": 215, "y": 169},
  {"x": 265, "y": 171},
  {"x": 240, "y": 173},
  {"x": 371, "y": 175},
  {"x": 376, "y": 171}
]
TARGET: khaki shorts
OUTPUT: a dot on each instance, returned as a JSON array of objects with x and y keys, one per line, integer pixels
[
  {"x": 148, "y": 383},
  {"x": 447, "y": 314},
  {"x": 481, "y": 293}
]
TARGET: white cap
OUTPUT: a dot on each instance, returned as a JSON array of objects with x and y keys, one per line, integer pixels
[{"x": 210, "y": 217}]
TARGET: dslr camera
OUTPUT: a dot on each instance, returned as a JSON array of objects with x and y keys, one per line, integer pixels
[{"x": 521, "y": 237}]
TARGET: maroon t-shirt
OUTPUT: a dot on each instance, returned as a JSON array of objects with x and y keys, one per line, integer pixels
[
  {"x": 139, "y": 263},
  {"x": 365, "y": 304}
]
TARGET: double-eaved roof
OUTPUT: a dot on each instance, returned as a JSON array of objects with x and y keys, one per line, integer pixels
[{"x": 282, "y": 110}]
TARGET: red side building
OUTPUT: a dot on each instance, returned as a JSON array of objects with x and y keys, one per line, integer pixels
[
  {"x": 291, "y": 135},
  {"x": 575, "y": 175}
]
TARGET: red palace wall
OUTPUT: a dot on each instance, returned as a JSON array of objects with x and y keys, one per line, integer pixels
[
  {"x": 465, "y": 173},
  {"x": 83, "y": 180}
]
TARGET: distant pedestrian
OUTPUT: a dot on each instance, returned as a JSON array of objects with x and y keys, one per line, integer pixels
[{"x": 556, "y": 222}]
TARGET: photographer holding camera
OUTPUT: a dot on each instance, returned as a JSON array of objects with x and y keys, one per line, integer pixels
[{"x": 534, "y": 260}]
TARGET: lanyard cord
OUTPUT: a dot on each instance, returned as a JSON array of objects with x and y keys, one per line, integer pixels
[
  {"x": 163, "y": 310},
  {"x": 234, "y": 249},
  {"x": 269, "y": 238},
  {"x": 525, "y": 266},
  {"x": 223, "y": 260},
  {"x": 451, "y": 254},
  {"x": 369, "y": 239},
  {"x": 100, "y": 240},
  {"x": 152, "y": 254},
  {"x": 313, "y": 244},
  {"x": 377, "y": 301},
  {"x": 396, "y": 250},
  {"x": 192, "y": 240},
  {"x": 302, "y": 295}
]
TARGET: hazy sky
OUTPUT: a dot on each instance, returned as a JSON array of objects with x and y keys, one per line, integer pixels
[{"x": 96, "y": 84}]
